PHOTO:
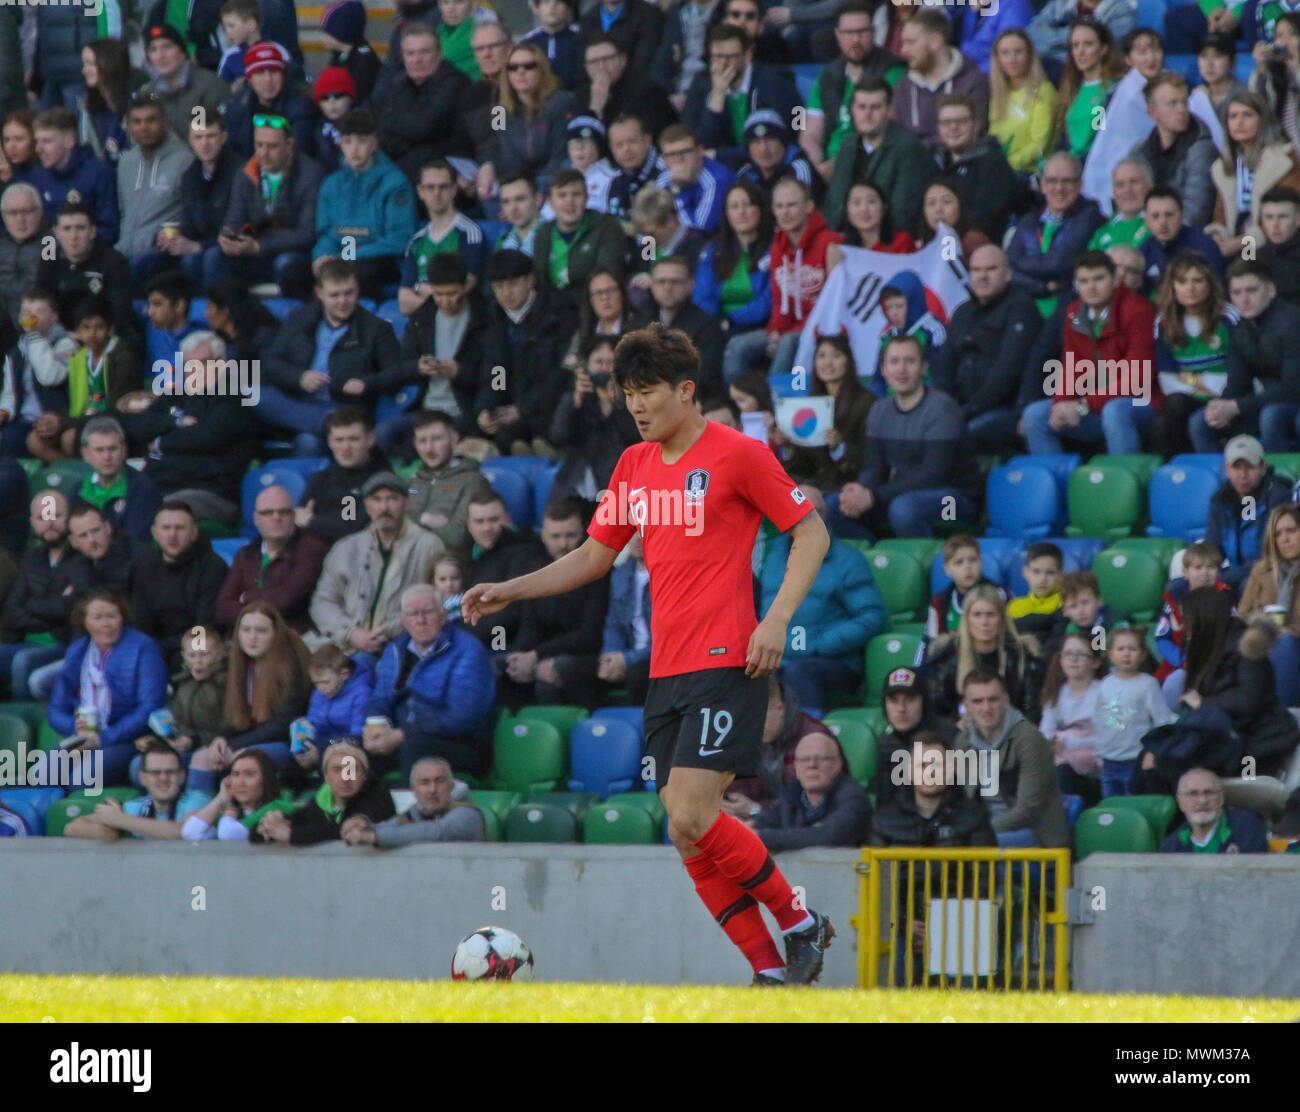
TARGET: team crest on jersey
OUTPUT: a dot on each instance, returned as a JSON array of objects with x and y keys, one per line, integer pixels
[{"x": 697, "y": 484}]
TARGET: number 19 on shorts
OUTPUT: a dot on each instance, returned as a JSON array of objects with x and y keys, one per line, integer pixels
[{"x": 720, "y": 723}]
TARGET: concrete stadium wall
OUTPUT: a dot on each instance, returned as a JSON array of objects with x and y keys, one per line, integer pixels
[{"x": 1211, "y": 926}]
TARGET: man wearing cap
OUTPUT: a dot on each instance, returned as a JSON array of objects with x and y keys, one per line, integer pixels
[
  {"x": 179, "y": 82},
  {"x": 1208, "y": 826},
  {"x": 772, "y": 156},
  {"x": 907, "y": 713},
  {"x": 270, "y": 227},
  {"x": 1265, "y": 338},
  {"x": 584, "y": 142},
  {"x": 722, "y": 98},
  {"x": 266, "y": 96},
  {"x": 636, "y": 163},
  {"x": 149, "y": 177},
  {"x": 357, "y": 602},
  {"x": 1239, "y": 510}
]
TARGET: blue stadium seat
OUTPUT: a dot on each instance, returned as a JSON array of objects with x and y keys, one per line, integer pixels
[
  {"x": 515, "y": 491},
  {"x": 493, "y": 230},
  {"x": 633, "y": 716},
  {"x": 388, "y": 408},
  {"x": 281, "y": 307},
  {"x": 270, "y": 475},
  {"x": 526, "y": 466},
  {"x": 1151, "y": 13},
  {"x": 24, "y": 810},
  {"x": 1211, "y": 461},
  {"x": 996, "y": 552},
  {"x": 37, "y": 799},
  {"x": 306, "y": 466},
  {"x": 1184, "y": 64},
  {"x": 1073, "y": 809},
  {"x": 805, "y": 77},
  {"x": 782, "y": 386},
  {"x": 392, "y": 312},
  {"x": 1024, "y": 502},
  {"x": 1245, "y": 67},
  {"x": 542, "y": 479},
  {"x": 1076, "y": 552},
  {"x": 605, "y": 756},
  {"x": 226, "y": 547},
  {"x": 1060, "y": 464},
  {"x": 1180, "y": 501}
]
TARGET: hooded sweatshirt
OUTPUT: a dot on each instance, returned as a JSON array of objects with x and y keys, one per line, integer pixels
[
  {"x": 149, "y": 189},
  {"x": 916, "y": 104},
  {"x": 1028, "y": 793},
  {"x": 798, "y": 273}
]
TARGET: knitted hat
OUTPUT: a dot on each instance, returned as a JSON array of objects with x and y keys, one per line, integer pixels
[
  {"x": 166, "y": 31},
  {"x": 265, "y": 56},
  {"x": 333, "y": 79},
  {"x": 345, "y": 21},
  {"x": 764, "y": 123},
  {"x": 585, "y": 127}
]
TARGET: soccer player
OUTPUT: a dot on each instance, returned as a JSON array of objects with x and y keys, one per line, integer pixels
[{"x": 696, "y": 491}]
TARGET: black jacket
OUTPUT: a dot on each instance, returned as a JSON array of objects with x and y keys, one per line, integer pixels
[
  {"x": 1270, "y": 353},
  {"x": 633, "y": 93},
  {"x": 309, "y": 824},
  {"x": 770, "y": 87},
  {"x": 1283, "y": 260},
  {"x": 172, "y": 598},
  {"x": 987, "y": 183},
  {"x": 842, "y": 819},
  {"x": 205, "y": 201},
  {"x": 570, "y": 624},
  {"x": 104, "y": 271},
  {"x": 419, "y": 339},
  {"x": 39, "y": 600},
  {"x": 336, "y": 492},
  {"x": 706, "y": 334},
  {"x": 297, "y": 109},
  {"x": 600, "y": 243},
  {"x": 589, "y": 439},
  {"x": 1245, "y": 689},
  {"x": 1023, "y": 675},
  {"x": 515, "y": 553},
  {"x": 961, "y": 820},
  {"x": 212, "y": 453},
  {"x": 119, "y": 569},
  {"x": 368, "y": 350},
  {"x": 532, "y": 354},
  {"x": 290, "y": 223},
  {"x": 420, "y": 122},
  {"x": 981, "y": 363},
  {"x": 639, "y": 28}
]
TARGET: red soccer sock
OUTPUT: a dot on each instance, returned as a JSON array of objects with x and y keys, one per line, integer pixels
[
  {"x": 740, "y": 855},
  {"x": 736, "y": 912}
]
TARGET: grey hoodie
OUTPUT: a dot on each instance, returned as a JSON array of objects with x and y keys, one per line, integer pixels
[
  {"x": 149, "y": 193},
  {"x": 461, "y": 822}
]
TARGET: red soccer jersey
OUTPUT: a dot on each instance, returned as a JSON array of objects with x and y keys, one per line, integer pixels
[{"x": 698, "y": 519}]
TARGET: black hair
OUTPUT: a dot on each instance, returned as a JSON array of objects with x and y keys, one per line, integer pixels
[{"x": 655, "y": 354}]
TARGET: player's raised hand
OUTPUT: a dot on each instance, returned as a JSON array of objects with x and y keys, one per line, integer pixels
[
  {"x": 481, "y": 600},
  {"x": 766, "y": 647}
]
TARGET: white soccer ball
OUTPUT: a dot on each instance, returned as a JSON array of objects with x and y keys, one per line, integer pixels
[{"x": 492, "y": 954}]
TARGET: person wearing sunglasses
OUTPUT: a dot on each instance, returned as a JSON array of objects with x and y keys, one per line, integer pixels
[
  {"x": 343, "y": 27},
  {"x": 267, "y": 93},
  {"x": 335, "y": 95},
  {"x": 536, "y": 109}
]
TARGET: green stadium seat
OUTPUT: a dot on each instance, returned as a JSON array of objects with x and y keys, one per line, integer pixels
[
  {"x": 47, "y": 737},
  {"x": 531, "y": 755},
  {"x": 63, "y": 811},
  {"x": 541, "y": 822},
  {"x": 31, "y": 713},
  {"x": 647, "y": 801},
  {"x": 901, "y": 581},
  {"x": 562, "y": 718},
  {"x": 1158, "y": 810},
  {"x": 1142, "y": 466},
  {"x": 14, "y": 732},
  {"x": 865, "y": 547},
  {"x": 1164, "y": 549},
  {"x": 121, "y": 794},
  {"x": 885, "y": 652},
  {"x": 1132, "y": 581},
  {"x": 66, "y": 476},
  {"x": 858, "y": 741},
  {"x": 625, "y": 825},
  {"x": 406, "y": 470},
  {"x": 1104, "y": 502},
  {"x": 1118, "y": 831},
  {"x": 868, "y": 716},
  {"x": 31, "y": 468},
  {"x": 492, "y": 825},
  {"x": 499, "y": 803},
  {"x": 1286, "y": 464},
  {"x": 922, "y": 549},
  {"x": 576, "y": 803}
]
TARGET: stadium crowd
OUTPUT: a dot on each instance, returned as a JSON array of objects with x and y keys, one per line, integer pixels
[{"x": 420, "y": 264}]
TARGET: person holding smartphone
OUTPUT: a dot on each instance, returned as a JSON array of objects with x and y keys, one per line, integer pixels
[{"x": 591, "y": 425}]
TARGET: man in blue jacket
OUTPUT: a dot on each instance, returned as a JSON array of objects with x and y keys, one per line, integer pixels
[
  {"x": 435, "y": 687},
  {"x": 842, "y": 611},
  {"x": 365, "y": 212},
  {"x": 1240, "y": 508},
  {"x": 1209, "y": 826},
  {"x": 67, "y": 170},
  {"x": 1163, "y": 214}
]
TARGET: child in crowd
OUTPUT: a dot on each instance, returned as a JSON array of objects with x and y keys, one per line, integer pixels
[
  {"x": 1129, "y": 704},
  {"x": 103, "y": 369},
  {"x": 335, "y": 94},
  {"x": 1201, "y": 563},
  {"x": 197, "y": 704},
  {"x": 1036, "y": 612},
  {"x": 343, "y": 29},
  {"x": 1069, "y": 720},
  {"x": 1082, "y": 609},
  {"x": 338, "y": 705},
  {"x": 241, "y": 27},
  {"x": 44, "y": 352},
  {"x": 964, "y": 565},
  {"x": 449, "y": 582},
  {"x": 557, "y": 33}
]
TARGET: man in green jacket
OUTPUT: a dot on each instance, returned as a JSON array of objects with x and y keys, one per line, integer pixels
[
  {"x": 578, "y": 242},
  {"x": 881, "y": 153}
]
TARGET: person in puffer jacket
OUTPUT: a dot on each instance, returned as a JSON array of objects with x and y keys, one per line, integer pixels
[{"x": 343, "y": 687}]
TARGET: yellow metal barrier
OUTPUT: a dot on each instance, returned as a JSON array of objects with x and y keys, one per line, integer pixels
[{"x": 964, "y": 918}]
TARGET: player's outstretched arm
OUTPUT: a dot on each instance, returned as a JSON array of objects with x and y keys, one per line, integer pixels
[
  {"x": 589, "y": 561},
  {"x": 809, "y": 542}
]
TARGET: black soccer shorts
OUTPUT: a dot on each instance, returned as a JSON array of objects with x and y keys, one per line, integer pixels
[{"x": 708, "y": 719}]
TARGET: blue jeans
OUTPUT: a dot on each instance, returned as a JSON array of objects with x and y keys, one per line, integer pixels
[
  {"x": 1274, "y": 427},
  {"x": 42, "y": 680},
  {"x": 290, "y": 270},
  {"x": 1285, "y": 659},
  {"x": 1115, "y": 776},
  {"x": 20, "y": 660},
  {"x": 994, "y": 431},
  {"x": 303, "y": 414},
  {"x": 749, "y": 349},
  {"x": 1120, "y": 424},
  {"x": 811, "y": 676},
  {"x": 915, "y": 513},
  {"x": 1017, "y": 839},
  {"x": 1173, "y": 687},
  {"x": 841, "y": 525},
  {"x": 1278, "y": 427}
]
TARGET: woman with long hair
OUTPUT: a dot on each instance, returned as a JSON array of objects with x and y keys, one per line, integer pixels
[
  {"x": 242, "y": 320},
  {"x": 1277, "y": 75},
  {"x": 1069, "y": 702},
  {"x": 1226, "y": 665},
  {"x": 942, "y": 204},
  {"x": 868, "y": 223},
  {"x": 1021, "y": 101},
  {"x": 1092, "y": 68},
  {"x": 267, "y": 687},
  {"x": 17, "y": 146},
  {"x": 106, "y": 69},
  {"x": 835, "y": 374},
  {"x": 1195, "y": 353},
  {"x": 986, "y": 638},
  {"x": 536, "y": 112},
  {"x": 1255, "y": 159},
  {"x": 605, "y": 311},
  {"x": 1271, "y": 591},
  {"x": 591, "y": 425},
  {"x": 246, "y": 795}
]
